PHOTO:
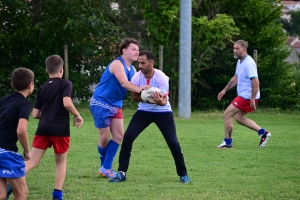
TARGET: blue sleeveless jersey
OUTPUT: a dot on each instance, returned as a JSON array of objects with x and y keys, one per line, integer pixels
[{"x": 109, "y": 90}]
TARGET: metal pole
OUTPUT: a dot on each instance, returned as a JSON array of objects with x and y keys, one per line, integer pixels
[
  {"x": 161, "y": 57},
  {"x": 185, "y": 46},
  {"x": 255, "y": 55}
]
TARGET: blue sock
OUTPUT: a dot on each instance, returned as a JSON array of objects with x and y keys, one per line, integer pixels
[
  {"x": 261, "y": 131},
  {"x": 228, "y": 141},
  {"x": 111, "y": 151},
  {"x": 102, "y": 153},
  {"x": 57, "y": 194}
]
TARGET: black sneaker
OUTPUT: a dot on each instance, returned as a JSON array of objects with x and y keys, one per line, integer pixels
[
  {"x": 120, "y": 176},
  {"x": 224, "y": 145},
  {"x": 264, "y": 139}
]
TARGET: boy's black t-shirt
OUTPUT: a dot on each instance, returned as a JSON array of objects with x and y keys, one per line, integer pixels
[
  {"x": 55, "y": 120},
  {"x": 12, "y": 108}
]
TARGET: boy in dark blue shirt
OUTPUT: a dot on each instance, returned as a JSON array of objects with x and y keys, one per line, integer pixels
[{"x": 15, "y": 110}]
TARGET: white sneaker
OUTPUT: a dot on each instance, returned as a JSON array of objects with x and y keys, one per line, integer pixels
[
  {"x": 264, "y": 139},
  {"x": 224, "y": 145}
]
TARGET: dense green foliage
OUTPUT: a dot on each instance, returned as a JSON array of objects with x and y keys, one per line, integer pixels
[{"x": 92, "y": 30}]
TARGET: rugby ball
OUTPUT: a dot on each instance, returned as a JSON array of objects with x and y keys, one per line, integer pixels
[{"x": 146, "y": 94}]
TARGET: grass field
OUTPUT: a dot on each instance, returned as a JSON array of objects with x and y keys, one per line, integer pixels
[{"x": 244, "y": 172}]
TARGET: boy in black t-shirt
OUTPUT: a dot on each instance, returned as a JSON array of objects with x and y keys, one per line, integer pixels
[
  {"x": 14, "y": 114},
  {"x": 52, "y": 107}
]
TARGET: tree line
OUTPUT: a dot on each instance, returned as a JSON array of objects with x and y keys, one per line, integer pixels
[{"x": 92, "y": 29}]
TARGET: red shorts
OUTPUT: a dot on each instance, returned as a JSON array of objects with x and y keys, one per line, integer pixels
[
  {"x": 60, "y": 144},
  {"x": 243, "y": 104},
  {"x": 119, "y": 114}
]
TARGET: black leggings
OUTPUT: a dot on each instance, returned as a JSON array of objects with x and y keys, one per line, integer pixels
[{"x": 165, "y": 123}]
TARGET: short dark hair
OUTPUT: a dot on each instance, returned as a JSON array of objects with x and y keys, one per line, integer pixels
[
  {"x": 54, "y": 63},
  {"x": 21, "y": 78},
  {"x": 148, "y": 54},
  {"x": 126, "y": 44},
  {"x": 243, "y": 43}
]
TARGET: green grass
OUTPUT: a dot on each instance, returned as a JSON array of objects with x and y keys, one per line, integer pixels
[{"x": 244, "y": 172}]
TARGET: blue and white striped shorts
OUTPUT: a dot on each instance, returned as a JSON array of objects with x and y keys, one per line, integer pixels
[
  {"x": 102, "y": 113},
  {"x": 12, "y": 164}
]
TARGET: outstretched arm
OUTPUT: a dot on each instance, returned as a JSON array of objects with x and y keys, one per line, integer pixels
[{"x": 116, "y": 68}]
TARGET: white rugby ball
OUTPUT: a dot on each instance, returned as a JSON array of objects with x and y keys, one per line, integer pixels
[{"x": 146, "y": 94}]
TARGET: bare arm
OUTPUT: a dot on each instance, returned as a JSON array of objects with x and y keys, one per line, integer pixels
[
  {"x": 255, "y": 88},
  {"x": 159, "y": 98},
  {"x": 36, "y": 113},
  {"x": 136, "y": 96},
  {"x": 68, "y": 104},
  {"x": 231, "y": 84},
  {"x": 23, "y": 137},
  {"x": 117, "y": 69}
]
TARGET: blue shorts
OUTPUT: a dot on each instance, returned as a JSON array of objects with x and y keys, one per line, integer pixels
[
  {"x": 103, "y": 113},
  {"x": 11, "y": 165}
]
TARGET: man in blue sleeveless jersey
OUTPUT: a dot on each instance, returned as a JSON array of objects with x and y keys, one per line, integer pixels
[
  {"x": 107, "y": 100},
  {"x": 159, "y": 113},
  {"x": 246, "y": 80},
  {"x": 14, "y": 114}
]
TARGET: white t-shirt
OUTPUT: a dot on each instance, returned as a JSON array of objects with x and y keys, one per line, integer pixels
[
  {"x": 245, "y": 71},
  {"x": 159, "y": 80}
]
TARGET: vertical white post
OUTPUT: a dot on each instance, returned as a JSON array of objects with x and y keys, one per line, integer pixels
[{"x": 185, "y": 48}]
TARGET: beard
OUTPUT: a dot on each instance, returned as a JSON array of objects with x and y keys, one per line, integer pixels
[{"x": 237, "y": 56}]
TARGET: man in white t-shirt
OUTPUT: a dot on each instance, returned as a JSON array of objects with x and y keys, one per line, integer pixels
[
  {"x": 246, "y": 80},
  {"x": 159, "y": 113}
]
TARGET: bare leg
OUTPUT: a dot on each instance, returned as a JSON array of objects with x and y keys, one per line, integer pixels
[
  {"x": 61, "y": 168},
  {"x": 241, "y": 119},
  {"x": 104, "y": 135},
  {"x": 117, "y": 130},
  {"x": 3, "y": 188},
  {"x": 19, "y": 188},
  {"x": 230, "y": 111},
  {"x": 36, "y": 156}
]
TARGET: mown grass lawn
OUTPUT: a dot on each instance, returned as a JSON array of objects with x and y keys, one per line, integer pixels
[{"x": 244, "y": 172}]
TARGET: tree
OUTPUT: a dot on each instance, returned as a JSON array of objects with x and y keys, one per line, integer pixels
[
  {"x": 292, "y": 26},
  {"x": 216, "y": 24},
  {"x": 36, "y": 29}
]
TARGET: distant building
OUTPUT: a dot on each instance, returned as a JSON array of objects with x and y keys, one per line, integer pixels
[
  {"x": 291, "y": 5},
  {"x": 294, "y": 44}
]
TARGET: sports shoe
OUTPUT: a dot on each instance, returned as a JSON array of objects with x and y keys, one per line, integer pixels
[
  {"x": 108, "y": 173},
  {"x": 55, "y": 198},
  {"x": 9, "y": 191},
  {"x": 185, "y": 179},
  {"x": 101, "y": 174},
  {"x": 224, "y": 145},
  {"x": 264, "y": 139},
  {"x": 120, "y": 176}
]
